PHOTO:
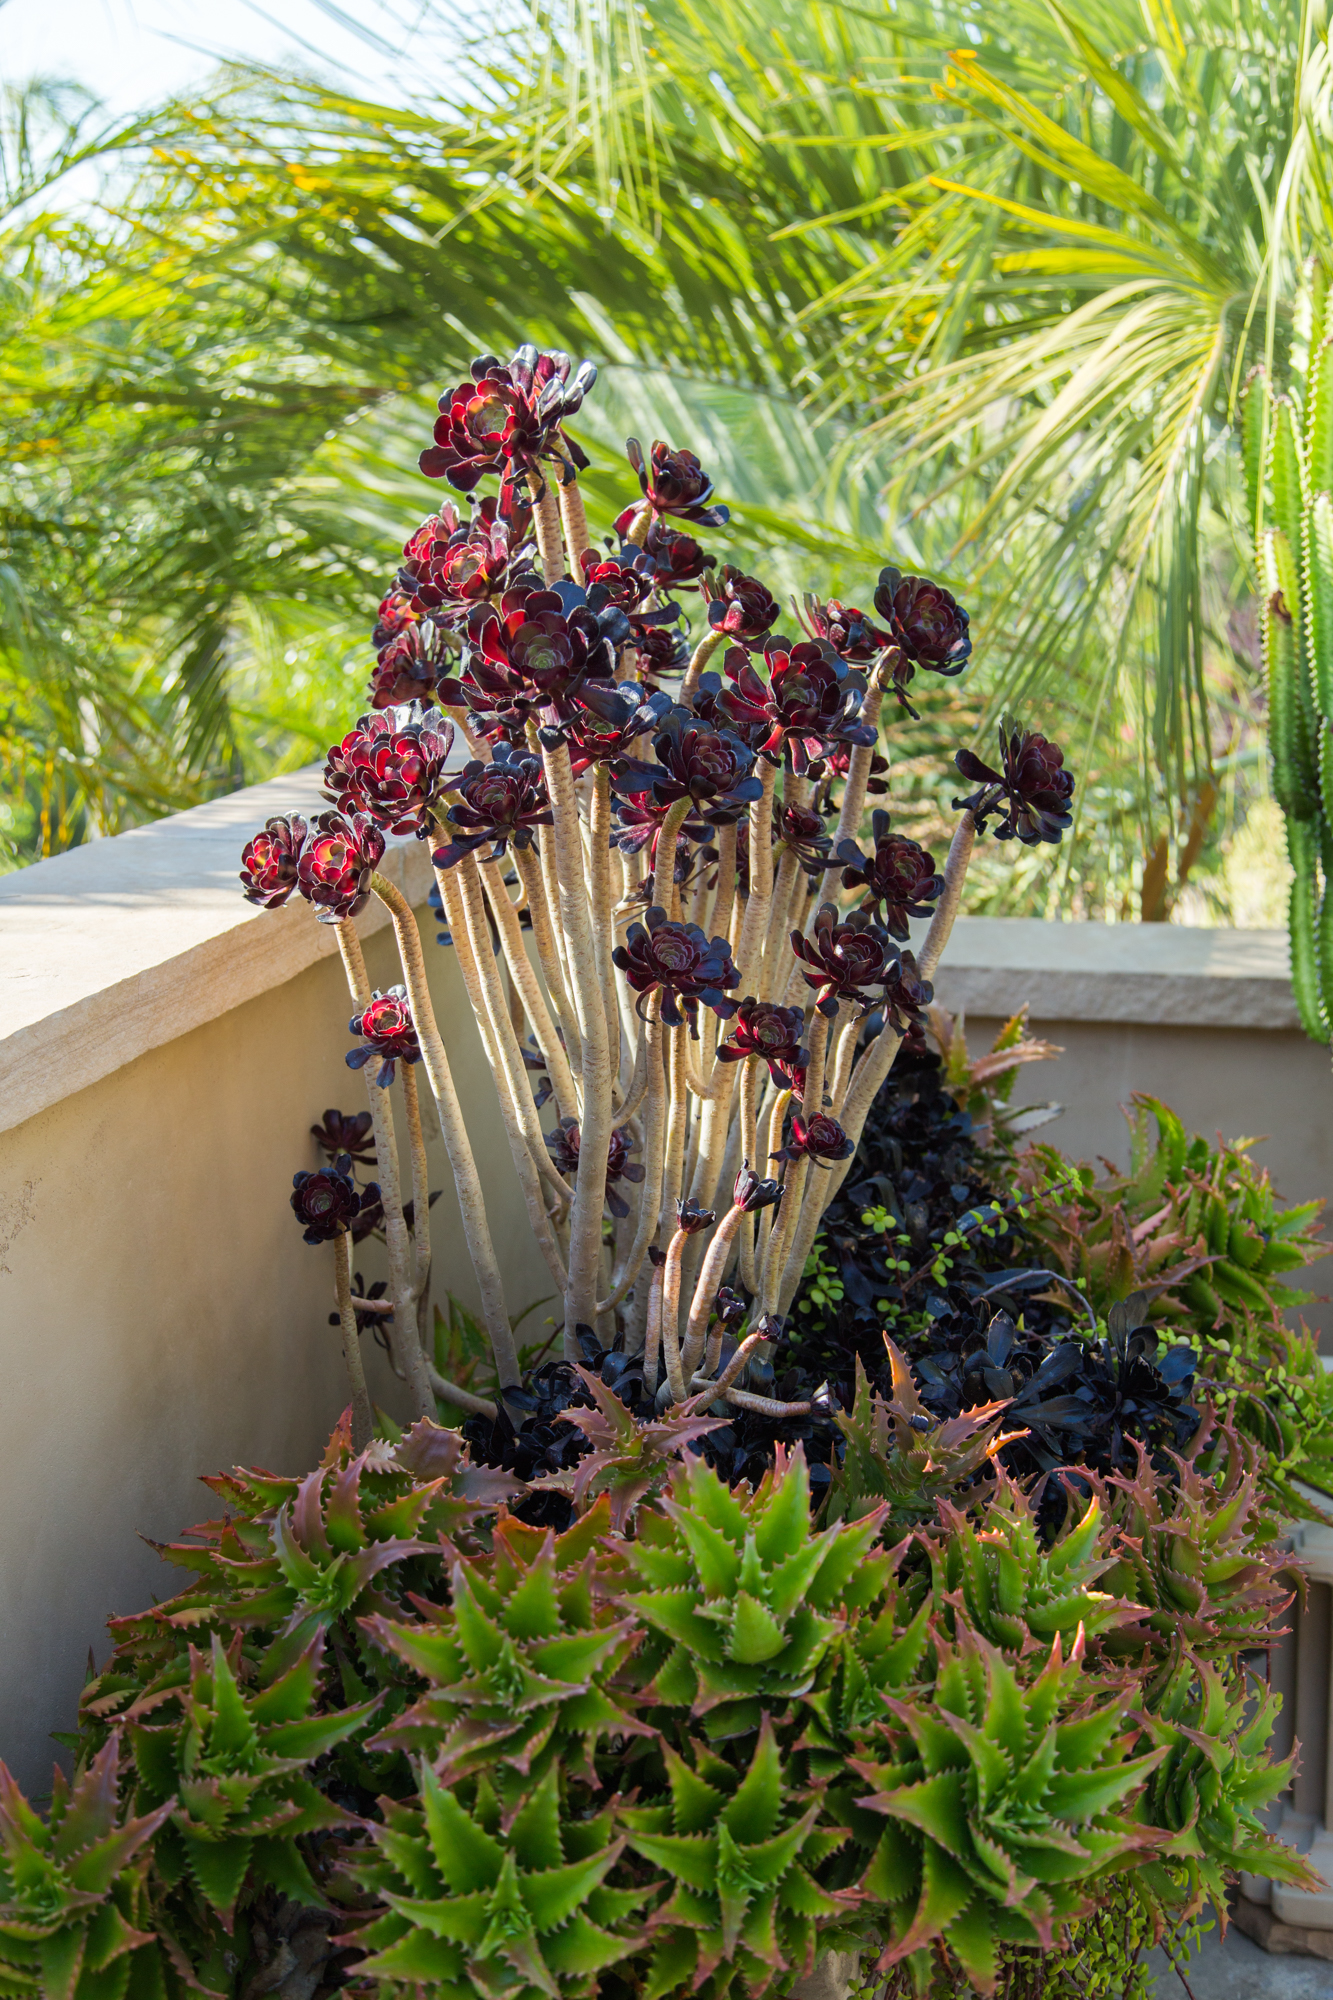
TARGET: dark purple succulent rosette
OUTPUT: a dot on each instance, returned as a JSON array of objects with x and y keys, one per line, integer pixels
[
  {"x": 639, "y": 817},
  {"x": 387, "y": 1031},
  {"x": 672, "y": 482},
  {"x": 906, "y": 998},
  {"x": 396, "y": 614},
  {"x": 627, "y": 583},
  {"x": 327, "y": 1203},
  {"x": 711, "y": 767},
  {"x": 675, "y": 561},
  {"x": 821, "y": 1140},
  {"x": 740, "y": 606},
  {"x": 844, "y": 959},
  {"x": 534, "y": 655},
  {"x": 837, "y": 765},
  {"x": 680, "y": 962},
  {"x": 563, "y": 1146},
  {"x": 611, "y": 721},
  {"x": 801, "y": 829},
  {"x": 898, "y": 876},
  {"x": 764, "y": 1028},
  {"x": 391, "y": 768},
  {"x": 924, "y": 620},
  {"x": 408, "y": 666},
  {"x": 853, "y": 636},
  {"x": 662, "y": 650},
  {"x": 1029, "y": 794},
  {"x": 340, "y": 856},
  {"x": 270, "y": 863},
  {"x": 449, "y": 564},
  {"x": 346, "y": 1132},
  {"x": 506, "y": 419},
  {"x": 751, "y": 1193},
  {"x": 500, "y": 803},
  {"x": 810, "y": 701}
]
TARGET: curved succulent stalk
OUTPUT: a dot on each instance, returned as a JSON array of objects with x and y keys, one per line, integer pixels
[
  {"x": 416, "y": 1139},
  {"x": 654, "y": 1155},
  {"x": 699, "y": 659},
  {"x": 532, "y": 876},
  {"x": 363, "y": 1416},
  {"x": 529, "y": 988},
  {"x": 706, "y": 1286},
  {"x": 407, "y": 1344},
  {"x": 852, "y": 809},
  {"x": 946, "y": 909},
  {"x": 546, "y": 528},
  {"x": 574, "y": 521}
]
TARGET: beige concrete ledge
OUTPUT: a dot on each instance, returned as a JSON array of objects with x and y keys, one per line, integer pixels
[{"x": 124, "y": 945}]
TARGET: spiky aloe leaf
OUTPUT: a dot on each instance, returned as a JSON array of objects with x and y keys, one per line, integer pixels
[
  {"x": 74, "y": 1905},
  {"x": 900, "y": 1453},
  {"x": 473, "y": 1901}
]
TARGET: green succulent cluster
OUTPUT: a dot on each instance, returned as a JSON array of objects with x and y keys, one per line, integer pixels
[
  {"x": 1003, "y": 1803},
  {"x": 1213, "y": 1775},
  {"x": 746, "y": 1595},
  {"x": 898, "y": 1452},
  {"x": 479, "y": 1901},
  {"x": 1195, "y": 1552},
  {"x": 76, "y": 1921},
  {"x": 741, "y": 1848}
]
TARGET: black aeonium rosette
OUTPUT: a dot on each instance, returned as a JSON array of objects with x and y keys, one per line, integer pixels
[
  {"x": 820, "y": 1139},
  {"x": 1029, "y": 794},
  {"x": 269, "y": 862},
  {"x": 680, "y": 962},
  {"x": 387, "y": 1031},
  {"x": 391, "y": 768},
  {"x": 449, "y": 564},
  {"x": 674, "y": 561},
  {"x": 845, "y": 960},
  {"x": 498, "y": 804},
  {"x": 534, "y": 654},
  {"x": 408, "y": 665},
  {"x": 766, "y": 1029},
  {"x": 327, "y": 1203},
  {"x": 853, "y": 637},
  {"x": 563, "y": 1144},
  {"x": 672, "y": 482},
  {"x": 898, "y": 876},
  {"x": 809, "y": 702},
  {"x": 924, "y": 620},
  {"x": 712, "y": 767},
  {"x": 506, "y": 419},
  {"x": 340, "y": 855},
  {"x": 740, "y": 606},
  {"x": 346, "y": 1132}
]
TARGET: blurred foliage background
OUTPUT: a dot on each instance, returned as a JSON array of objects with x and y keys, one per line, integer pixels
[{"x": 974, "y": 289}]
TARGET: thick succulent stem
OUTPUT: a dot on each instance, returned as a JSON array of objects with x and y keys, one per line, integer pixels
[
  {"x": 603, "y": 905},
  {"x": 858, "y": 768},
  {"x": 575, "y": 522},
  {"x": 666, "y": 890},
  {"x": 671, "y": 1314},
  {"x": 955, "y": 875},
  {"x": 755, "y": 924},
  {"x": 363, "y": 1416},
  {"x": 785, "y": 1228},
  {"x": 724, "y": 896},
  {"x": 637, "y": 532},
  {"x": 462, "y": 1399},
  {"x": 529, "y": 989},
  {"x": 652, "y": 1331},
  {"x": 420, "y": 1197},
  {"x": 677, "y": 1112},
  {"x": 654, "y": 1154},
  {"x": 585, "y": 1232},
  {"x": 532, "y": 876},
  {"x": 702, "y": 654},
  {"x": 467, "y": 1181},
  {"x": 734, "y": 1369},
  {"x": 705, "y": 1290},
  {"x": 407, "y": 1338},
  {"x": 546, "y": 528},
  {"x": 748, "y": 1116}
]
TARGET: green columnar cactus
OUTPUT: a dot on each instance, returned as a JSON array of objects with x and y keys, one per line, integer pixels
[{"x": 1288, "y": 445}]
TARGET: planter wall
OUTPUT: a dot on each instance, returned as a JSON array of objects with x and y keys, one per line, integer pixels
[{"x": 164, "y": 1048}]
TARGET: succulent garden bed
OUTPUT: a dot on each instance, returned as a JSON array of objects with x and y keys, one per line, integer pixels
[{"x": 874, "y": 1575}]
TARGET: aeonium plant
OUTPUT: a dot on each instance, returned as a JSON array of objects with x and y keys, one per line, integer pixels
[{"x": 666, "y": 809}]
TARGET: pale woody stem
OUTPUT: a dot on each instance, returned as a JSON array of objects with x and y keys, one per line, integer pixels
[
  {"x": 467, "y": 1182},
  {"x": 407, "y": 1341},
  {"x": 363, "y": 1416},
  {"x": 858, "y": 769},
  {"x": 575, "y": 523},
  {"x": 525, "y": 979},
  {"x": 420, "y": 1196},
  {"x": 749, "y": 1100},
  {"x": 546, "y": 528},
  {"x": 703, "y": 653}
]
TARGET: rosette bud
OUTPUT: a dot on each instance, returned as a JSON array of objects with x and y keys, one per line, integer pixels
[
  {"x": 692, "y": 1217},
  {"x": 906, "y": 998},
  {"x": 270, "y": 862},
  {"x": 346, "y": 1132},
  {"x": 672, "y": 482},
  {"x": 1029, "y": 794},
  {"x": 387, "y": 1031},
  {"x": 675, "y": 560},
  {"x": 752, "y": 1192},
  {"x": 924, "y": 620},
  {"x": 898, "y": 876},
  {"x": 849, "y": 632},
  {"x": 821, "y": 1140},
  {"x": 327, "y": 1203},
  {"x": 740, "y": 606}
]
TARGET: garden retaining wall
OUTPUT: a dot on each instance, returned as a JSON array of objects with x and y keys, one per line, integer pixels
[{"x": 164, "y": 1049}]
